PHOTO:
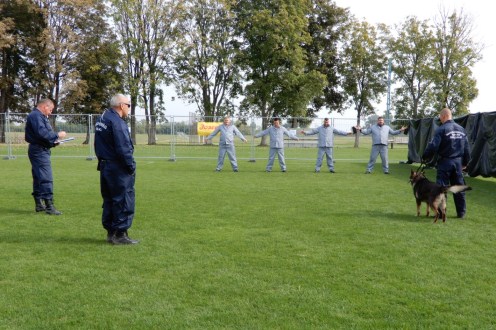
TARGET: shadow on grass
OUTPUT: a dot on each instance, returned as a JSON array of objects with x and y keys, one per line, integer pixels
[{"x": 394, "y": 216}]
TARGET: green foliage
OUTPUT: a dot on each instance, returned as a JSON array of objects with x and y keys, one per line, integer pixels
[
  {"x": 411, "y": 48},
  {"x": 456, "y": 53},
  {"x": 365, "y": 64},
  {"x": 294, "y": 250},
  {"x": 204, "y": 59},
  {"x": 272, "y": 56},
  {"x": 327, "y": 25}
]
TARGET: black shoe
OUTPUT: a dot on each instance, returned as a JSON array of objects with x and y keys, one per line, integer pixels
[
  {"x": 236, "y": 170},
  {"x": 317, "y": 171},
  {"x": 332, "y": 171},
  {"x": 50, "y": 208},
  {"x": 386, "y": 172},
  {"x": 283, "y": 171},
  {"x": 367, "y": 172},
  {"x": 122, "y": 239},
  {"x": 217, "y": 170},
  {"x": 461, "y": 216}
]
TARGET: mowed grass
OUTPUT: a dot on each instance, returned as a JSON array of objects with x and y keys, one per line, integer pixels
[{"x": 247, "y": 250}]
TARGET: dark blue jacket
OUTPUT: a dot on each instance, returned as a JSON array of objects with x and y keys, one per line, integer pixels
[
  {"x": 449, "y": 141},
  {"x": 113, "y": 140},
  {"x": 39, "y": 131}
]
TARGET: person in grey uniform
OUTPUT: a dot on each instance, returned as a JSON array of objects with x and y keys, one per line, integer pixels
[
  {"x": 325, "y": 143},
  {"x": 226, "y": 143},
  {"x": 276, "y": 133},
  {"x": 380, "y": 134}
]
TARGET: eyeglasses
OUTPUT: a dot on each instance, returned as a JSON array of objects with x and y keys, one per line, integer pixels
[{"x": 128, "y": 105}]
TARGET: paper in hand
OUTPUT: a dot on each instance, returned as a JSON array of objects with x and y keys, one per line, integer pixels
[{"x": 65, "y": 140}]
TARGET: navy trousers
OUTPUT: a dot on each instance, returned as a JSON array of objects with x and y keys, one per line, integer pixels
[
  {"x": 449, "y": 173},
  {"x": 41, "y": 169},
  {"x": 117, "y": 188}
]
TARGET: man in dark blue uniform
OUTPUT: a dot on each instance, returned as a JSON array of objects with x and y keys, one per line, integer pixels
[
  {"x": 114, "y": 150},
  {"x": 41, "y": 137},
  {"x": 451, "y": 144}
]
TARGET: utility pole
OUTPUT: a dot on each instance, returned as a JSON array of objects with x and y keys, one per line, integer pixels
[{"x": 388, "y": 104}]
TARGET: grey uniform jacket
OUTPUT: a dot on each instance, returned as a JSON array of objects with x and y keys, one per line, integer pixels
[
  {"x": 276, "y": 136},
  {"x": 326, "y": 135},
  {"x": 380, "y": 133},
  {"x": 227, "y": 134}
]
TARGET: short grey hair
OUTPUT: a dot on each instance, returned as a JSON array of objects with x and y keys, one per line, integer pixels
[
  {"x": 117, "y": 99},
  {"x": 45, "y": 101}
]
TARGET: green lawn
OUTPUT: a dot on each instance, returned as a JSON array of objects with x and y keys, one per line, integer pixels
[{"x": 247, "y": 250}]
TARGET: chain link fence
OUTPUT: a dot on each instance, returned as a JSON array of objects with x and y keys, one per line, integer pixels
[{"x": 174, "y": 137}]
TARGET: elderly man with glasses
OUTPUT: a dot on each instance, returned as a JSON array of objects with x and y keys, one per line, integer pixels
[{"x": 114, "y": 150}]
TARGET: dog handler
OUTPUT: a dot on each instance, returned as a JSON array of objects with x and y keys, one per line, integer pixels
[
  {"x": 41, "y": 137},
  {"x": 450, "y": 143},
  {"x": 114, "y": 150}
]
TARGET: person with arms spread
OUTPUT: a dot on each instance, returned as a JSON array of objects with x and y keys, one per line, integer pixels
[
  {"x": 325, "y": 143},
  {"x": 226, "y": 143},
  {"x": 276, "y": 133},
  {"x": 380, "y": 134}
]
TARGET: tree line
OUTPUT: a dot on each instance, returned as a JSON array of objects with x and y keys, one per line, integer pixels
[{"x": 288, "y": 58}]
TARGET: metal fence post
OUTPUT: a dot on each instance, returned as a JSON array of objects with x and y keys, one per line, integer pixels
[
  {"x": 91, "y": 156},
  {"x": 172, "y": 157},
  {"x": 253, "y": 126},
  {"x": 9, "y": 137}
]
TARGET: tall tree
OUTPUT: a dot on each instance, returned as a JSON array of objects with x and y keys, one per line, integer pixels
[
  {"x": 58, "y": 49},
  {"x": 365, "y": 70},
  {"x": 207, "y": 74},
  {"x": 147, "y": 30},
  {"x": 456, "y": 54},
  {"x": 411, "y": 50},
  {"x": 21, "y": 26},
  {"x": 273, "y": 59},
  {"x": 328, "y": 24}
]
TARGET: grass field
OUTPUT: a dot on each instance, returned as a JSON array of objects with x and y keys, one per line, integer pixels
[{"x": 247, "y": 250}]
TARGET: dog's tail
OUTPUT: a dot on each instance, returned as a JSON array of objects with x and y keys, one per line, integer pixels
[{"x": 458, "y": 188}]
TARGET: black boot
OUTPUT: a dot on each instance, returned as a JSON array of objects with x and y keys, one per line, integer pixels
[
  {"x": 121, "y": 238},
  {"x": 110, "y": 236},
  {"x": 50, "y": 208},
  {"x": 40, "y": 207}
]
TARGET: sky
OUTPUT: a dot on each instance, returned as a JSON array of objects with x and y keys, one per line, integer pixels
[{"x": 393, "y": 12}]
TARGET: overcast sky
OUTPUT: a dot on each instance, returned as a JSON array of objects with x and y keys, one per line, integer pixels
[{"x": 394, "y": 12}]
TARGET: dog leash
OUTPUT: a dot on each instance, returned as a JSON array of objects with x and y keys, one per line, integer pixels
[{"x": 421, "y": 167}]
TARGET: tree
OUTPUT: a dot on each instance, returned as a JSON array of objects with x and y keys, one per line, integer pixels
[
  {"x": 21, "y": 26},
  {"x": 327, "y": 25},
  {"x": 57, "y": 52},
  {"x": 273, "y": 59},
  {"x": 147, "y": 30},
  {"x": 365, "y": 65},
  {"x": 456, "y": 54},
  {"x": 412, "y": 53},
  {"x": 205, "y": 64}
]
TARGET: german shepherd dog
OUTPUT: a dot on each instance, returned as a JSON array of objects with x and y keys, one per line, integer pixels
[{"x": 432, "y": 193}]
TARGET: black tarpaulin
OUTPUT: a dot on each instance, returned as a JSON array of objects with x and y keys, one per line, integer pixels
[{"x": 481, "y": 134}]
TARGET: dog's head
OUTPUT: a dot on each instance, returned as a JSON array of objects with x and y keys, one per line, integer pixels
[{"x": 416, "y": 176}]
